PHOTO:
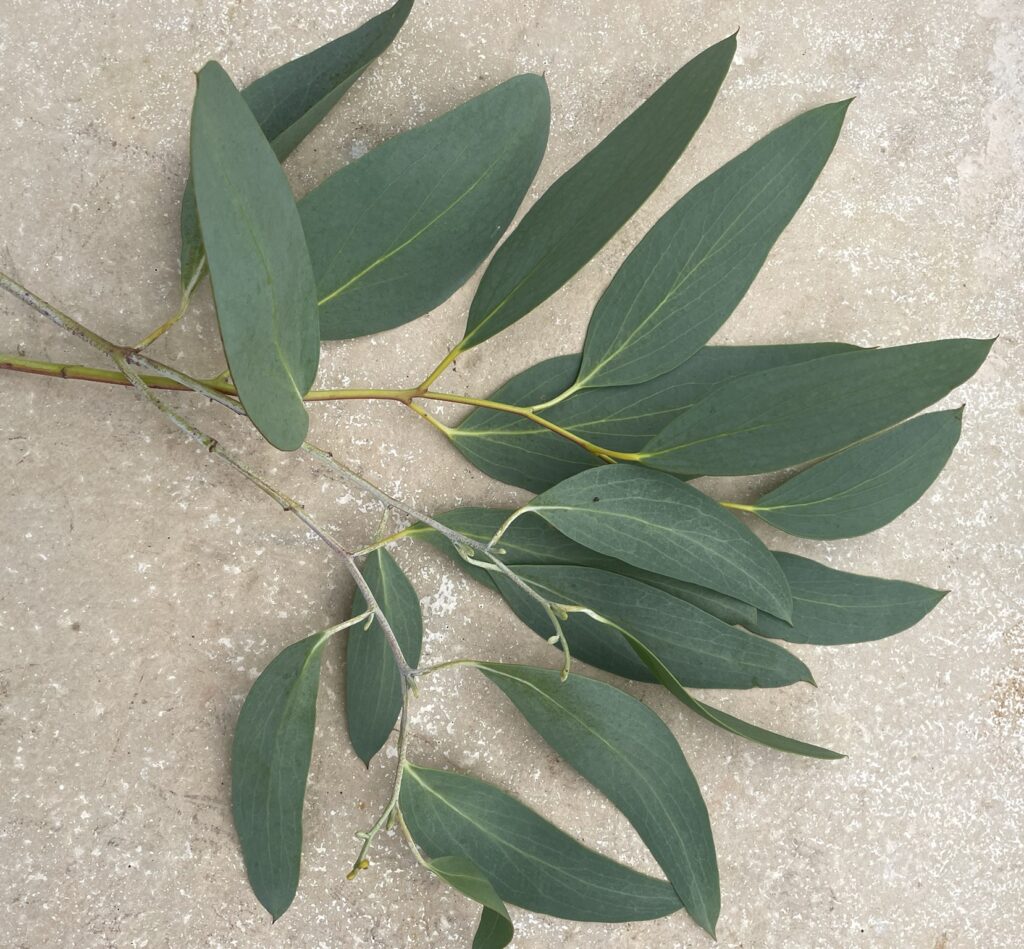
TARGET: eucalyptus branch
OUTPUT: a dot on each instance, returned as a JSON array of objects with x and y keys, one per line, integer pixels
[
  {"x": 391, "y": 808},
  {"x": 807, "y": 404},
  {"x": 124, "y": 358},
  {"x": 16, "y": 363}
]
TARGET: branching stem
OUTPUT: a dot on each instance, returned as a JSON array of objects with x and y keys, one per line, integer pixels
[
  {"x": 390, "y": 811},
  {"x": 406, "y": 396}
]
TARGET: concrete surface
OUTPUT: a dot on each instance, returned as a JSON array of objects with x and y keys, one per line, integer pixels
[{"x": 143, "y": 587}]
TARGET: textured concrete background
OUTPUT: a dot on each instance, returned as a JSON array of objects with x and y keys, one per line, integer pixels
[{"x": 142, "y": 587}]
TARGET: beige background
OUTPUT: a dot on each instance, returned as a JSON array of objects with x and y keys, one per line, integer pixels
[{"x": 142, "y": 587}]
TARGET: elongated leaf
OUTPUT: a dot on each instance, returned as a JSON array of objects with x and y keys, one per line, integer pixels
[
  {"x": 262, "y": 278},
  {"x": 530, "y": 862},
  {"x": 867, "y": 485},
  {"x": 622, "y": 418},
  {"x": 373, "y": 686},
  {"x": 687, "y": 275},
  {"x": 269, "y": 766},
  {"x": 627, "y": 752},
  {"x": 289, "y": 101},
  {"x": 495, "y": 929},
  {"x": 701, "y": 651},
  {"x": 832, "y": 607},
  {"x": 533, "y": 541},
  {"x": 730, "y": 723},
  {"x": 780, "y": 417},
  {"x": 655, "y": 522},
  {"x": 397, "y": 232},
  {"x": 584, "y": 208}
]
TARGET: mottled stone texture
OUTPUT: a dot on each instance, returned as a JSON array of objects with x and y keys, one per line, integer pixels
[{"x": 142, "y": 586}]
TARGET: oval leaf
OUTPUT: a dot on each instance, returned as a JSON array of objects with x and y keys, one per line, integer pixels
[
  {"x": 530, "y": 862},
  {"x": 584, "y": 208},
  {"x": 700, "y": 650},
  {"x": 687, "y": 275},
  {"x": 621, "y": 747},
  {"x": 517, "y": 451},
  {"x": 269, "y": 765},
  {"x": 495, "y": 929},
  {"x": 724, "y": 720},
  {"x": 865, "y": 486},
  {"x": 289, "y": 101},
  {"x": 262, "y": 278},
  {"x": 832, "y": 607},
  {"x": 373, "y": 686},
  {"x": 655, "y": 522},
  {"x": 785, "y": 416},
  {"x": 397, "y": 232}
]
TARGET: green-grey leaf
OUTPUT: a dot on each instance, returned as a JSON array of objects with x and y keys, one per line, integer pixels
[
  {"x": 701, "y": 651},
  {"x": 621, "y": 747},
  {"x": 832, "y": 607},
  {"x": 684, "y": 279},
  {"x": 397, "y": 232},
  {"x": 517, "y": 451},
  {"x": 780, "y": 417},
  {"x": 584, "y": 208},
  {"x": 495, "y": 929},
  {"x": 724, "y": 720},
  {"x": 867, "y": 485},
  {"x": 289, "y": 101},
  {"x": 262, "y": 279},
  {"x": 530, "y": 862},
  {"x": 654, "y": 521},
  {"x": 532, "y": 541},
  {"x": 269, "y": 766},
  {"x": 373, "y": 687}
]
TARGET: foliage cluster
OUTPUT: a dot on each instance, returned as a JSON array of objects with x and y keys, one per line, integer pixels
[{"x": 618, "y": 559}]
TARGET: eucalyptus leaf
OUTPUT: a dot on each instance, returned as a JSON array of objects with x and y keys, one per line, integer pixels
[
  {"x": 517, "y": 451},
  {"x": 262, "y": 279},
  {"x": 833, "y": 607},
  {"x": 684, "y": 279},
  {"x": 701, "y": 651},
  {"x": 627, "y": 752},
  {"x": 724, "y": 720},
  {"x": 529, "y": 861},
  {"x": 655, "y": 522},
  {"x": 865, "y": 486},
  {"x": 289, "y": 101},
  {"x": 373, "y": 685},
  {"x": 534, "y": 541},
  {"x": 584, "y": 208},
  {"x": 398, "y": 231},
  {"x": 495, "y": 929},
  {"x": 269, "y": 766},
  {"x": 780, "y": 417}
]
